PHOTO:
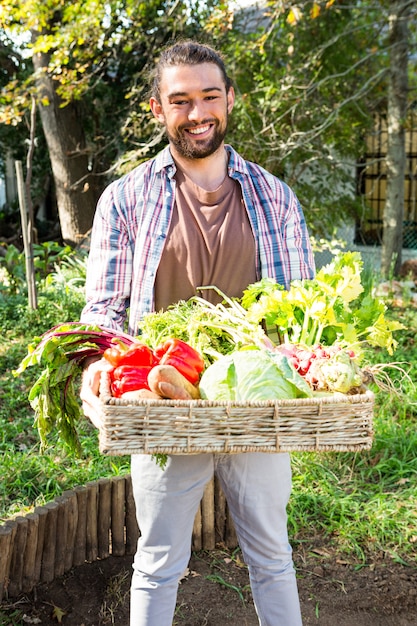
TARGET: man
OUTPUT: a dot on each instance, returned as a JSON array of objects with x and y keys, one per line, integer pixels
[{"x": 197, "y": 214}]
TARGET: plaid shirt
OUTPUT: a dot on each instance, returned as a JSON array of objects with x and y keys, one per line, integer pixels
[{"x": 132, "y": 221}]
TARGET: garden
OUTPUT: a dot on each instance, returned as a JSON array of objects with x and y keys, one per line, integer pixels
[{"x": 352, "y": 515}]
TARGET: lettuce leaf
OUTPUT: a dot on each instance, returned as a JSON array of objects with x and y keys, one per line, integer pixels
[{"x": 252, "y": 374}]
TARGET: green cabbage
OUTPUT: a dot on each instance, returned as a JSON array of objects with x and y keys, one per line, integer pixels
[{"x": 252, "y": 375}]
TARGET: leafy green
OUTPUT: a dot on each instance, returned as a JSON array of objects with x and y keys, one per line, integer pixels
[
  {"x": 54, "y": 396},
  {"x": 252, "y": 374},
  {"x": 212, "y": 330},
  {"x": 54, "y": 399},
  {"x": 332, "y": 307}
]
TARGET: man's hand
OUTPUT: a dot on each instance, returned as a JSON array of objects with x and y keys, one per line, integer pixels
[{"x": 90, "y": 387}]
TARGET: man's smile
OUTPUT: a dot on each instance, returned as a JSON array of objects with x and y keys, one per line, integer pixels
[{"x": 199, "y": 130}]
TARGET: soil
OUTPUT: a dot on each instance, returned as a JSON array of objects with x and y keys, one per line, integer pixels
[{"x": 215, "y": 591}]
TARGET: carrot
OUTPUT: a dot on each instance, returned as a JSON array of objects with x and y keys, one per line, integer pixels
[{"x": 167, "y": 381}]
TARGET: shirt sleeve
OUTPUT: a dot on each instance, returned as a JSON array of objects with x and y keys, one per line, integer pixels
[
  {"x": 296, "y": 242},
  {"x": 109, "y": 267}
]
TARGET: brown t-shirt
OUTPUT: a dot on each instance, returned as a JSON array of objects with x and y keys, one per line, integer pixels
[{"x": 209, "y": 243}]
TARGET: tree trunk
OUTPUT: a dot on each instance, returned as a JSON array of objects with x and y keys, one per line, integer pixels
[
  {"x": 75, "y": 191},
  {"x": 392, "y": 240}
]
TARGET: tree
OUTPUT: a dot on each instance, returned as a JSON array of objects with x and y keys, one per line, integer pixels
[
  {"x": 308, "y": 81},
  {"x": 61, "y": 124},
  {"x": 88, "y": 64},
  {"x": 75, "y": 191},
  {"x": 400, "y": 11},
  {"x": 312, "y": 76}
]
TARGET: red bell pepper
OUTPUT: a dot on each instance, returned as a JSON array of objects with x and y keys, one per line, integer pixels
[
  {"x": 137, "y": 354},
  {"x": 129, "y": 378},
  {"x": 115, "y": 353},
  {"x": 183, "y": 357}
]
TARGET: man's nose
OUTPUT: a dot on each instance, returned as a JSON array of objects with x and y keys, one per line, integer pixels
[{"x": 196, "y": 112}]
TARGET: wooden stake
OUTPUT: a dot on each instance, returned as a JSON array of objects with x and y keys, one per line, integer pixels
[
  {"x": 207, "y": 517},
  {"x": 42, "y": 513},
  {"x": 80, "y": 543},
  {"x": 49, "y": 544},
  {"x": 29, "y": 562},
  {"x": 27, "y": 232},
  {"x": 231, "y": 537},
  {"x": 19, "y": 547},
  {"x": 7, "y": 533},
  {"x": 61, "y": 535},
  {"x": 220, "y": 511},
  {"x": 118, "y": 499},
  {"x": 72, "y": 521},
  {"x": 104, "y": 517},
  {"x": 92, "y": 537},
  {"x": 197, "y": 542},
  {"x": 132, "y": 529}
]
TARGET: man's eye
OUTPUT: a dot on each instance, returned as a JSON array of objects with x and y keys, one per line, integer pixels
[{"x": 179, "y": 102}]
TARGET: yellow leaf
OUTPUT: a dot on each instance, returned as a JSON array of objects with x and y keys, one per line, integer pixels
[
  {"x": 58, "y": 614},
  {"x": 315, "y": 11},
  {"x": 294, "y": 15}
]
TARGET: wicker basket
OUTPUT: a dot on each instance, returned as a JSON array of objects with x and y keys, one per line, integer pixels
[{"x": 342, "y": 423}]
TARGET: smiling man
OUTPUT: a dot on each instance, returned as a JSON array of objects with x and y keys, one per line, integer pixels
[{"x": 197, "y": 214}]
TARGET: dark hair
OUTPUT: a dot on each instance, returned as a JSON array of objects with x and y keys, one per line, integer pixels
[{"x": 186, "y": 53}]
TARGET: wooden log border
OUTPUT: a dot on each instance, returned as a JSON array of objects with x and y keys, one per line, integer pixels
[{"x": 88, "y": 523}]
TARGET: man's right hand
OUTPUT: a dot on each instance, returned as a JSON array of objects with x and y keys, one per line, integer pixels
[{"x": 90, "y": 387}]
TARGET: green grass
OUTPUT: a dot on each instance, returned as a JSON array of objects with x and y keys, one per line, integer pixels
[{"x": 363, "y": 503}]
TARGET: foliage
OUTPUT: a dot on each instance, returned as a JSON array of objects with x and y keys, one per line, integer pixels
[
  {"x": 333, "y": 307},
  {"x": 54, "y": 396},
  {"x": 47, "y": 256},
  {"x": 98, "y": 56},
  {"x": 310, "y": 77}
]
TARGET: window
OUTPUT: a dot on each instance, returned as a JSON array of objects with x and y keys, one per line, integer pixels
[{"x": 372, "y": 183}]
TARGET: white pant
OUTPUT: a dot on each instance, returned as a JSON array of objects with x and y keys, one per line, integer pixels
[{"x": 257, "y": 487}]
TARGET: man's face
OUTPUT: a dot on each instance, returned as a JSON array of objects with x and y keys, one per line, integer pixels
[{"x": 194, "y": 108}]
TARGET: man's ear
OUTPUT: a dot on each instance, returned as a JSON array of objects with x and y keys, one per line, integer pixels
[
  {"x": 156, "y": 109},
  {"x": 230, "y": 99}
]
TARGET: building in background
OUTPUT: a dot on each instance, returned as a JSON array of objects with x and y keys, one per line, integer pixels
[{"x": 372, "y": 182}]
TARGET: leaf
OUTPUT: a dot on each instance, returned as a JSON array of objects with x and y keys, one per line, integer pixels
[
  {"x": 294, "y": 15},
  {"x": 58, "y": 614},
  {"x": 342, "y": 276},
  {"x": 315, "y": 10},
  {"x": 291, "y": 375}
]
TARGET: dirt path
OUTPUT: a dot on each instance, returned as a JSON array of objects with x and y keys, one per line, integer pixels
[{"x": 215, "y": 592}]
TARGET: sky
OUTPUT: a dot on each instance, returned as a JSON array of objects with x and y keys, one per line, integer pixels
[{"x": 242, "y": 3}]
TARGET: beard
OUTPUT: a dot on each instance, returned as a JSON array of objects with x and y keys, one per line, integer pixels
[{"x": 193, "y": 148}]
